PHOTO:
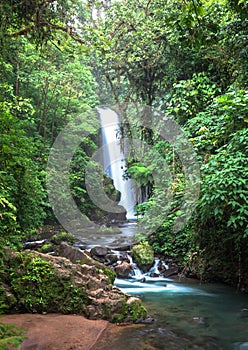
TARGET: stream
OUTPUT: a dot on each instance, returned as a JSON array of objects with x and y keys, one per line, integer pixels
[
  {"x": 212, "y": 316},
  {"x": 187, "y": 315}
]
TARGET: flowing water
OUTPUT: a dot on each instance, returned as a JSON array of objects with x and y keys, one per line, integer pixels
[
  {"x": 207, "y": 313},
  {"x": 187, "y": 315}
]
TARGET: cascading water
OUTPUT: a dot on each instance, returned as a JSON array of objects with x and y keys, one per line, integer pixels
[
  {"x": 114, "y": 160},
  {"x": 188, "y": 314}
]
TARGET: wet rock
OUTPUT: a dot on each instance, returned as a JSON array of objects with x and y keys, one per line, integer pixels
[
  {"x": 143, "y": 255},
  {"x": 200, "y": 321},
  {"x": 171, "y": 272},
  {"x": 123, "y": 270},
  {"x": 142, "y": 280},
  {"x": 147, "y": 320},
  {"x": 124, "y": 257},
  {"x": 111, "y": 259},
  {"x": 99, "y": 251},
  {"x": 153, "y": 274}
]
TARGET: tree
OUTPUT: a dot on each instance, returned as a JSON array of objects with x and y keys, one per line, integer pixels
[{"x": 39, "y": 20}]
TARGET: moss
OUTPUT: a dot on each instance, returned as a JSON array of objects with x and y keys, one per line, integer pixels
[
  {"x": 46, "y": 248},
  {"x": 143, "y": 254},
  {"x": 110, "y": 273},
  {"x": 129, "y": 312},
  {"x": 60, "y": 237},
  {"x": 136, "y": 311},
  {"x": 37, "y": 288}
]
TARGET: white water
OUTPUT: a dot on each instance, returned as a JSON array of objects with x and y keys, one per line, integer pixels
[
  {"x": 114, "y": 160},
  {"x": 139, "y": 282},
  {"x": 210, "y": 315}
]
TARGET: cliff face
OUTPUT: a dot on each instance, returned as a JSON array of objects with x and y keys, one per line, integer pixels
[{"x": 42, "y": 283}]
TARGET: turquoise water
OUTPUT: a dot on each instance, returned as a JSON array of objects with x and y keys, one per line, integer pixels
[
  {"x": 187, "y": 315},
  {"x": 199, "y": 311}
]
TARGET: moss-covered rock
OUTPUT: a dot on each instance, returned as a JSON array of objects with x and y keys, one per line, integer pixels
[
  {"x": 37, "y": 285},
  {"x": 46, "y": 248},
  {"x": 36, "y": 282},
  {"x": 143, "y": 255},
  {"x": 63, "y": 237},
  {"x": 110, "y": 273}
]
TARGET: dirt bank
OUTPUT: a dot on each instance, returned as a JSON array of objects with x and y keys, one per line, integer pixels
[{"x": 57, "y": 332}]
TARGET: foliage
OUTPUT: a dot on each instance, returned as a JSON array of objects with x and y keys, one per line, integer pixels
[
  {"x": 140, "y": 173},
  {"x": 225, "y": 186},
  {"x": 39, "y": 20},
  {"x": 46, "y": 81},
  {"x": 21, "y": 193},
  {"x": 10, "y": 336},
  {"x": 191, "y": 96},
  {"x": 170, "y": 243},
  {"x": 211, "y": 128},
  {"x": 189, "y": 59},
  {"x": 186, "y": 58}
]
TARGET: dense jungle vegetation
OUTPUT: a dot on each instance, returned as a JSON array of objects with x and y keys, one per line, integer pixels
[{"x": 187, "y": 59}]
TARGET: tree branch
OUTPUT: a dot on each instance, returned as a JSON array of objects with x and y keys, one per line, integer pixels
[{"x": 67, "y": 30}]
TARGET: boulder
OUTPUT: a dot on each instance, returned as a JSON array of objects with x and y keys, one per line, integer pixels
[
  {"x": 99, "y": 251},
  {"x": 171, "y": 272},
  {"x": 76, "y": 255},
  {"x": 42, "y": 283},
  {"x": 143, "y": 255},
  {"x": 123, "y": 270},
  {"x": 111, "y": 259}
]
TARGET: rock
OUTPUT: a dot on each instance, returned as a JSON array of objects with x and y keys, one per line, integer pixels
[
  {"x": 76, "y": 255},
  {"x": 99, "y": 251},
  {"x": 200, "y": 320},
  {"x": 63, "y": 236},
  {"x": 171, "y": 271},
  {"x": 142, "y": 280},
  {"x": 153, "y": 274},
  {"x": 147, "y": 320},
  {"x": 143, "y": 255},
  {"x": 123, "y": 270},
  {"x": 44, "y": 283},
  {"x": 111, "y": 259}
]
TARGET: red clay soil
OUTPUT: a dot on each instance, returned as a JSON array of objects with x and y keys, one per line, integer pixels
[{"x": 57, "y": 332}]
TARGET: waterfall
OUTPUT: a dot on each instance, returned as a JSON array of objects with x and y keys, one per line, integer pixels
[{"x": 114, "y": 160}]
